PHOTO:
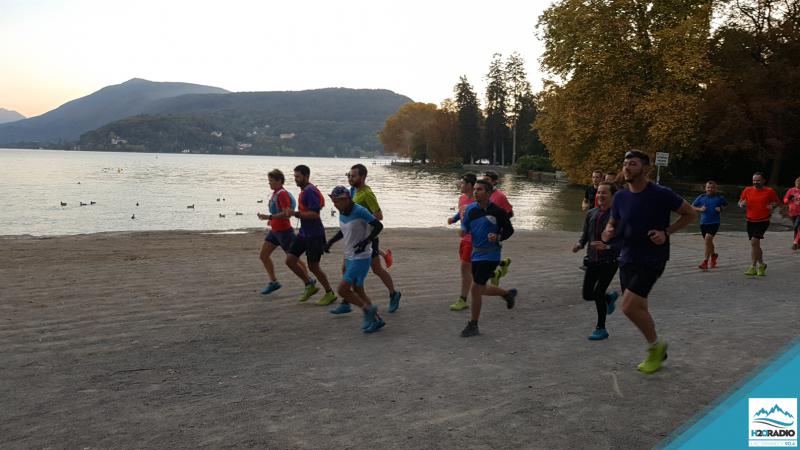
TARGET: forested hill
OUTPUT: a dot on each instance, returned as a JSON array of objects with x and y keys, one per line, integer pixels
[
  {"x": 321, "y": 122},
  {"x": 67, "y": 122}
]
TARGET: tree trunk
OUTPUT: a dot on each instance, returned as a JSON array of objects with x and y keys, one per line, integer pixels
[
  {"x": 503, "y": 152},
  {"x": 514, "y": 143},
  {"x": 775, "y": 173},
  {"x": 494, "y": 151}
]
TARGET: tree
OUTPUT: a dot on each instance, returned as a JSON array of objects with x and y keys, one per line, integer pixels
[
  {"x": 630, "y": 74},
  {"x": 496, "y": 107},
  {"x": 519, "y": 91},
  {"x": 400, "y": 128},
  {"x": 441, "y": 136},
  {"x": 468, "y": 121},
  {"x": 752, "y": 105}
]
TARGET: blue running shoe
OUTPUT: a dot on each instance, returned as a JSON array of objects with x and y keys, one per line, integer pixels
[
  {"x": 510, "y": 298},
  {"x": 343, "y": 308},
  {"x": 271, "y": 287},
  {"x": 598, "y": 334},
  {"x": 369, "y": 317},
  {"x": 376, "y": 325},
  {"x": 394, "y": 302},
  {"x": 611, "y": 300}
]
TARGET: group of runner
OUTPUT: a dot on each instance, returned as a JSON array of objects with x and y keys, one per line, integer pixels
[{"x": 359, "y": 221}]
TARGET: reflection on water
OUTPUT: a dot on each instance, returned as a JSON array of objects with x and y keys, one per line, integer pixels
[{"x": 34, "y": 182}]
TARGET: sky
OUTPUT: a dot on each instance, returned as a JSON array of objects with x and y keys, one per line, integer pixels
[{"x": 52, "y": 52}]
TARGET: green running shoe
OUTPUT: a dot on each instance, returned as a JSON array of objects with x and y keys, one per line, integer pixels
[
  {"x": 762, "y": 270},
  {"x": 311, "y": 289},
  {"x": 751, "y": 272},
  {"x": 656, "y": 354},
  {"x": 501, "y": 271},
  {"x": 459, "y": 305},
  {"x": 326, "y": 299}
]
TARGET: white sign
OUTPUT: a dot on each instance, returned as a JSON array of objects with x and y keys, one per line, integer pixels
[
  {"x": 662, "y": 159},
  {"x": 773, "y": 422}
]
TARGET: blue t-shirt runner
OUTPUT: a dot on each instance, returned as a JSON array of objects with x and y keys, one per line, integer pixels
[{"x": 710, "y": 216}]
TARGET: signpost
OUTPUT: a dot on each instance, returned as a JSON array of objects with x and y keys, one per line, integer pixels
[{"x": 662, "y": 160}]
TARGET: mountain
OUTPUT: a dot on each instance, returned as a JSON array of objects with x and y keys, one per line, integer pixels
[
  {"x": 7, "y": 115},
  {"x": 319, "y": 122},
  {"x": 70, "y": 120}
]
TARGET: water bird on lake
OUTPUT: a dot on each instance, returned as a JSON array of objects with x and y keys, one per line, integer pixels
[
  {"x": 217, "y": 199},
  {"x": 222, "y": 216},
  {"x": 133, "y": 216},
  {"x": 137, "y": 203},
  {"x": 259, "y": 201},
  {"x": 82, "y": 204},
  {"x": 92, "y": 203},
  {"x": 63, "y": 204},
  {"x": 239, "y": 214},
  {"x": 188, "y": 207}
]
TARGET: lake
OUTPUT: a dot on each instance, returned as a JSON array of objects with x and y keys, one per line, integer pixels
[{"x": 33, "y": 184}]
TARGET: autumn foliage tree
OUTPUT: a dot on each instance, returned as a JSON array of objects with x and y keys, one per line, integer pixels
[
  {"x": 628, "y": 73},
  {"x": 400, "y": 128}
]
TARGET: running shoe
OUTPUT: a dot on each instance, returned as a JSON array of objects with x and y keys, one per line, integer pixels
[
  {"x": 751, "y": 272},
  {"x": 375, "y": 325},
  {"x": 762, "y": 270},
  {"x": 470, "y": 330},
  {"x": 394, "y": 301},
  {"x": 387, "y": 258},
  {"x": 703, "y": 265},
  {"x": 656, "y": 354},
  {"x": 271, "y": 287},
  {"x": 501, "y": 271},
  {"x": 311, "y": 289},
  {"x": 326, "y": 299},
  {"x": 611, "y": 302},
  {"x": 369, "y": 317},
  {"x": 460, "y": 304},
  {"x": 343, "y": 308},
  {"x": 598, "y": 334},
  {"x": 714, "y": 260},
  {"x": 794, "y": 247},
  {"x": 510, "y": 298}
]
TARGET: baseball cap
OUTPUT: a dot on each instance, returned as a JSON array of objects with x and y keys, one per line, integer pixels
[{"x": 340, "y": 192}]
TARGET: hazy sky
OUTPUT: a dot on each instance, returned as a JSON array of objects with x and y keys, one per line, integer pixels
[{"x": 55, "y": 51}]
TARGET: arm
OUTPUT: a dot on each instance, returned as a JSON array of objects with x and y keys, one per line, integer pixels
[
  {"x": 505, "y": 228},
  {"x": 377, "y": 226},
  {"x": 687, "y": 216},
  {"x": 306, "y": 214},
  {"x": 336, "y": 237},
  {"x": 584, "y": 235},
  {"x": 451, "y": 220},
  {"x": 611, "y": 230}
]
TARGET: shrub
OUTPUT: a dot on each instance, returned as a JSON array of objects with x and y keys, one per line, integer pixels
[{"x": 533, "y": 162}]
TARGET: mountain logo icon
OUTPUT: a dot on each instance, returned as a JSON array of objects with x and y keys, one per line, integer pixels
[{"x": 775, "y": 417}]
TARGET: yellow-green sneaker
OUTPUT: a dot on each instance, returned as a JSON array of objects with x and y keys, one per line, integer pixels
[
  {"x": 762, "y": 270},
  {"x": 459, "y": 305},
  {"x": 311, "y": 289},
  {"x": 326, "y": 299},
  {"x": 751, "y": 272},
  {"x": 656, "y": 354},
  {"x": 501, "y": 271}
]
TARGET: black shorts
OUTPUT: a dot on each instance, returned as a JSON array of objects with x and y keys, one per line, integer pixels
[
  {"x": 709, "y": 228},
  {"x": 313, "y": 247},
  {"x": 282, "y": 239},
  {"x": 639, "y": 278},
  {"x": 756, "y": 230},
  {"x": 376, "y": 250},
  {"x": 483, "y": 271}
]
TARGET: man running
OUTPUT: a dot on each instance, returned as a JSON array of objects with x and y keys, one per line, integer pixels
[
  {"x": 281, "y": 207},
  {"x": 354, "y": 221},
  {"x": 466, "y": 198},
  {"x": 640, "y": 217},
  {"x": 363, "y": 196},
  {"x": 590, "y": 193},
  {"x": 709, "y": 205},
  {"x": 758, "y": 201},
  {"x": 600, "y": 260},
  {"x": 499, "y": 198},
  {"x": 311, "y": 239},
  {"x": 792, "y": 200},
  {"x": 489, "y": 225}
]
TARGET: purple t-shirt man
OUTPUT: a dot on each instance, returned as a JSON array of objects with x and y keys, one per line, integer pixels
[
  {"x": 637, "y": 213},
  {"x": 311, "y": 199}
]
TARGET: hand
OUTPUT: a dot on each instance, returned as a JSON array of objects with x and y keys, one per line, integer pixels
[
  {"x": 327, "y": 248},
  {"x": 609, "y": 233},
  {"x": 658, "y": 237},
  {"x": 718, "y": 209},
  {"x": 449, "y": 220},
  {"x": 599, "y": 245},
  {"x": 261, "y": 216},
  {"x": 491, "y": 237},
  {"x": 702, "y": 208},
  {"x": 742, "y": 203},
  {"x": 361, "y": 246},
  {"x": 576, "y": 247}
]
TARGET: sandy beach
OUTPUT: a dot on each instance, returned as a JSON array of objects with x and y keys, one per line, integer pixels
[{"x": 161, "y": 339}]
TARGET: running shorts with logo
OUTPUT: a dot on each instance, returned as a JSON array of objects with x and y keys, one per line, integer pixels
[{"x": 639, "y": 278}]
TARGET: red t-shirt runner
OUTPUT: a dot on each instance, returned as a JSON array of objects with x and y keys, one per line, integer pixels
[
  {"x": 279, "y": 201},
  {"x": 758, "y": 201},
  {"x": 499, "y": 198}
]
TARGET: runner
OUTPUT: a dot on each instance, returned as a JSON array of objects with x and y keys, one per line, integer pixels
[
  {"x": 600, "y": 260},
  {"x": 466, "y": 198},
  {"x": 363, "y": 196},
  {"x": 311, "y": 238},
  {"x": 758, "y": 201},
  {"x": 709, "y": 205},
  {"x": 281, "y": 205},
  {"x": 590, "y": 193},
  {"x": 354, "y": 220},
  {"x": 792, "y": 200},
  {"x": 488, "y": 224},
  {"x": 640, "y": 217},
  {"x": 499, "y": 198}
]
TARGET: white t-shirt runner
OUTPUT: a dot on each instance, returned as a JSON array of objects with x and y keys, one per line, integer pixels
[{"x": 355, "y": 228}]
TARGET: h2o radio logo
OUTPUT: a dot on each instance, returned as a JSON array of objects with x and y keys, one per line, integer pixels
[{"x": 773, "y": 422}]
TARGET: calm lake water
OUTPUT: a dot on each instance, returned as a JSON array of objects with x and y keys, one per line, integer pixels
[{"x": 33, "y": 183}]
